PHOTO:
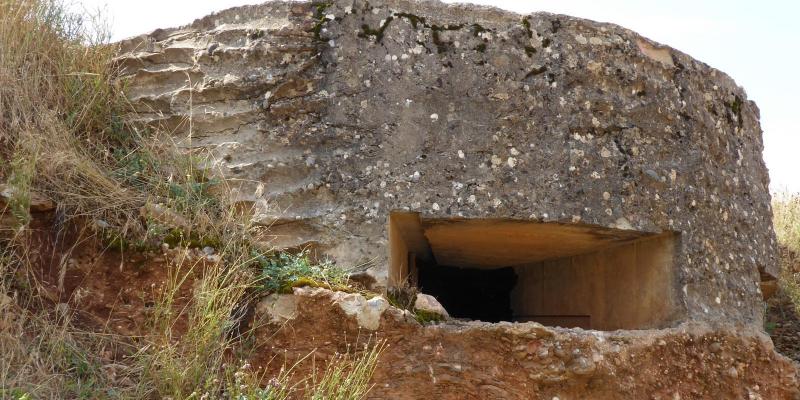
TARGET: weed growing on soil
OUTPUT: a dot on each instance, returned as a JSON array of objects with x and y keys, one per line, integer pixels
[{"x": 281, "y": 272}]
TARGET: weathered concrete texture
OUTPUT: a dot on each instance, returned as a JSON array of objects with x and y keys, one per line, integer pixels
[
  {"x": 350, "y": 109},
  {"x": 529, "y": 361}
]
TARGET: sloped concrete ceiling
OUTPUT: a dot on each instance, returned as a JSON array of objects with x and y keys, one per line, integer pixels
[{"x": 491, "y": 243}]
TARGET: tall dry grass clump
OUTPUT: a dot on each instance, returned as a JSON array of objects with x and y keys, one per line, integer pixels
[
  {"x": 786, "y": 211},
  {"x": 786, "y": 220},
  {"x": 60, "y": 110},
  {"x": 63, "y": 136},
  {"x": 63, "y": 133},
  {"x": 55, "y": 104},
  {"x": 346, "y": 377}
]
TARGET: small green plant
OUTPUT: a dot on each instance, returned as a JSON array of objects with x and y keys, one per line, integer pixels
[
  {"x": 283, "y": 271},
  {"x": 769, "y": 327},
  {"x": 192, "y": 192},
  {"x": 134, "y": 166},
  {"x": 22, "y": 169},
  {"x": 427, "y": 317}
]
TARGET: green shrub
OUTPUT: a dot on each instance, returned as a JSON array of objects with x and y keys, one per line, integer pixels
[{"x": 282, "y": 271}]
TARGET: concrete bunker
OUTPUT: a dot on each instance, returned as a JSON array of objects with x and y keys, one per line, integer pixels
[
  {"x": 326, "y": 155},
  {"x": 568, "y": 275}
]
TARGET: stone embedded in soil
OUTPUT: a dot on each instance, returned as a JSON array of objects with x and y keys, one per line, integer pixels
[
  {"x": 428, "y": 303},
  {"x": 278, "y": 307},
  {"x": 367, "y": 312},
  {"x": 37, "y": 202},
  {"x": 581, "y": 366}
]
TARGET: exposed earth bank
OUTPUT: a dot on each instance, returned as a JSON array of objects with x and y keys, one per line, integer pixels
[
  {"x": 113, "y": 293},
  {"x": 476, "y": 360}
]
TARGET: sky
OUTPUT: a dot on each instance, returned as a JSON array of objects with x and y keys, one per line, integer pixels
[{"x": 755, "y": 42}]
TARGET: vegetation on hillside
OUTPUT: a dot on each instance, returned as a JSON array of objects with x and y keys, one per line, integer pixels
[
  {"x": 786, "y": 219},
  {"x": 786, "y": 210},
  {"x": 782, "y": 311},
  {"x": 63, "y": 136}
]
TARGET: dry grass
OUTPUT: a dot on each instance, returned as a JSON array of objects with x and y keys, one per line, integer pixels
[
  {"x": 57, "y": 98},
  {"x": 786, "y": 210},
  {"x": 63, "y": 135},
  {"x": 42, "y": 353},
  {"x": 347, "y": 376},
  {"x": 195, "y": 361},
  {"x": 786, "y": 220}
]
